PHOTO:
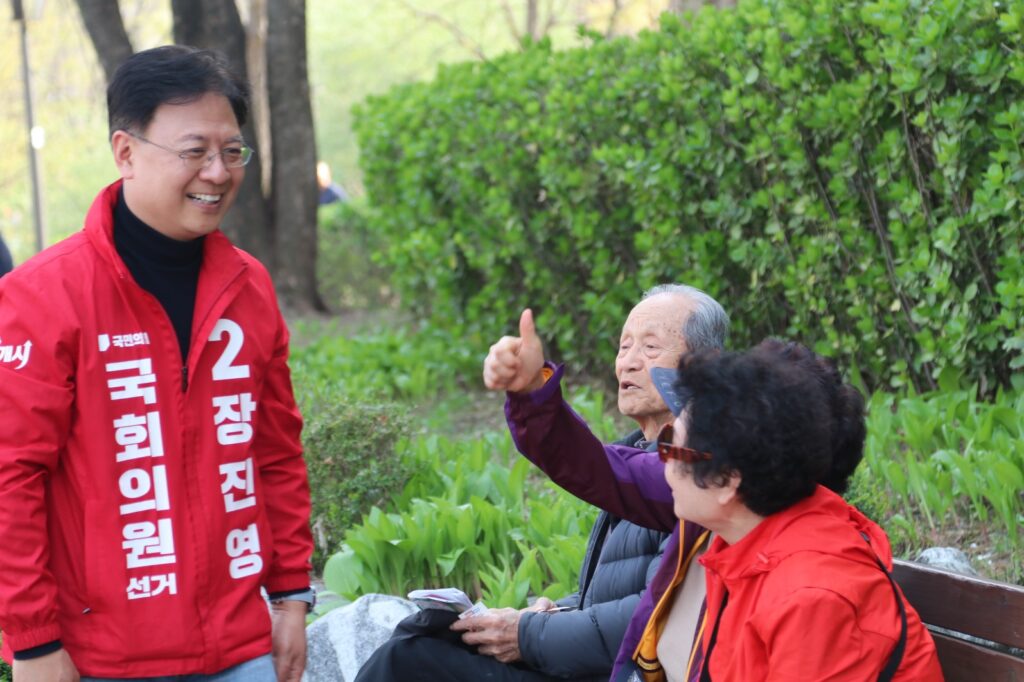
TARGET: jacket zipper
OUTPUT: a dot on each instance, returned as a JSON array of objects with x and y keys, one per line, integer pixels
[{"x": 184, "y": 379}]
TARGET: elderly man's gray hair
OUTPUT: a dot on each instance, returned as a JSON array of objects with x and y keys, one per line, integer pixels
[{"x": 708, "y": 324}]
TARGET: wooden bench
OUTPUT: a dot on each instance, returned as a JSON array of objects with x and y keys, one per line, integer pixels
[{"x": 957, "y": 607}]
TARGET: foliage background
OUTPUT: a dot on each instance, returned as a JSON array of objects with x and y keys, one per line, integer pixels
[
  {"x": 941, "y": 468},
  {"x": 848, "y": 173},
  {"x": 355, "y": 48}
]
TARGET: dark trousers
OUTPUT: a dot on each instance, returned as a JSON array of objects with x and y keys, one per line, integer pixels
[{"x": 423, "y": 649}]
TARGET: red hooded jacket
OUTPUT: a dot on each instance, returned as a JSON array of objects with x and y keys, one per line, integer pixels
[
  {"x": 808, "y": 602},
  {"x": 143, "y": 504}
]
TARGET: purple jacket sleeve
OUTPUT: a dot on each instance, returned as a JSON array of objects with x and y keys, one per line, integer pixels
[{"x": 627, "y": 482}]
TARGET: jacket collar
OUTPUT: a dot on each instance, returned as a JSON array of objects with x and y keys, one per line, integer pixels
[
  {"x": 221, "y": 261},
  {"x": 99, "y": 227},
  {"x": 822, "y": 523},
  {"x": 219, "y": 277}
]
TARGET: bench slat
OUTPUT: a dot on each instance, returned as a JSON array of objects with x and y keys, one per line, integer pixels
[
  {"x": 965, "y": 662},
  {"x": 982, "y": 608}
]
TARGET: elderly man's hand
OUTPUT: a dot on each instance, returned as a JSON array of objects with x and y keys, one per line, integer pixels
[
  {"x": 542, "y": 604},
  {"x": 514, "y": 363},
  {"x": 495, "y": 633}
]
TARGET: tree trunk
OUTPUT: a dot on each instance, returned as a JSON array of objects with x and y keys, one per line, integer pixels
[
  {"x": 216, "y": 24},
  {"x": 102, "y": 19},
  {"x": 256, "y": 57},
  {"x": 188, "y": 22},
  {"x": 532, "y": 19},
  {"x": 294, "y": 195}
]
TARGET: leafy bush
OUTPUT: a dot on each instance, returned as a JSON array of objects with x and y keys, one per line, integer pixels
[
  {"x": 474, "y": 518},
  {"x": 5, "y": 672},
  {"x": 390, "y": 364},
  {"x": 344, "y": 387},
  {"x": 488, "y": 531},
  {"x": 848, "y": 172},
  {"x": 347, "y": 278},
  {"x": 352, "y": 462},
  {"x": 939, "y": 460}
]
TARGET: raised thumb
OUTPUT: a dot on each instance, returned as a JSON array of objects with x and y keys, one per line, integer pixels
[{"x": 527, "y": 330}]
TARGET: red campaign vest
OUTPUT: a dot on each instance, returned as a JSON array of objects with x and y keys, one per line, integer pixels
[{"x": 143, "y": 504}]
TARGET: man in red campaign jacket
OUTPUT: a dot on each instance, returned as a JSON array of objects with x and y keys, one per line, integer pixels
[{"x": 151, "y": 472}]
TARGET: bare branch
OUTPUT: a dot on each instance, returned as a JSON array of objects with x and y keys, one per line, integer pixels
[
  {"x": 613, "y": 18},
  {"x": 510, "y": 20},
  {"x": 555, "y": 16},
  {"x": 551, "y": 22},
  {"x": 460, "y": 36}
]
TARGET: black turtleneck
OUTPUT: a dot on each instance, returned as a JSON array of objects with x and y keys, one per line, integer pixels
[{"x": 165, "y": 267}]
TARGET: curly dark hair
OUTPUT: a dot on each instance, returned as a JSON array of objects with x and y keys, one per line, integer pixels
[
  {"x": 762, "y": 416},
  {"x": 846, "y": 403}
]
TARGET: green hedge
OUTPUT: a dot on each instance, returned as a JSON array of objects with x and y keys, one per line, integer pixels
[
  {"x": 945, "y": 464},
  {"x": 475, "y": 515},
  {"x": 347, "y": 387},
  {"x": 350, "y": 453},
  {"x": 843, "y": 171},
  {"x": 348, "y": 280}
]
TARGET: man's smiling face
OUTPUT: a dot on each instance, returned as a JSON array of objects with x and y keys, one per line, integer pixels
[{"x": 160, "y": 188}]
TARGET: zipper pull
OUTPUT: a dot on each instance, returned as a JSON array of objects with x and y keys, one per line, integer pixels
[{"x": 184, "y": 379}]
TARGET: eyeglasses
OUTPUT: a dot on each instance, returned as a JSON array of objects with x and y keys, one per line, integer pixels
[
  {"x": 668, "y": 451},
  {"x": 234, "y": 156}
]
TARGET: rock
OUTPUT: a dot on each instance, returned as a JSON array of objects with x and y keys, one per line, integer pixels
[
  {"x": 947, "y": 559},
  {"x": 341, "y": 641}
]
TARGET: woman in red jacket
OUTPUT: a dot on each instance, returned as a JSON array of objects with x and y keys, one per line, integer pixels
[{"x": 798, "y": 583}]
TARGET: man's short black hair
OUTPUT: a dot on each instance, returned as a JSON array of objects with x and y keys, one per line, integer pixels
[
  {"x": 172, "y": 74},
  {"x": 760, "y": 415}
]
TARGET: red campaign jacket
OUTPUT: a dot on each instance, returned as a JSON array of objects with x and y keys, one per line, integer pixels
[
  {"x": 807, "y": 601},
  {"x": 143, "y": 504}
]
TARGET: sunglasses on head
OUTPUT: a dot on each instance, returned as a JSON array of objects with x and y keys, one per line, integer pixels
[{"x": 668, "y": 451}]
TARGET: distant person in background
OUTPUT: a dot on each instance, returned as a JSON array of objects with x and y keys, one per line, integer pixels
[
  {"x": 330, "y": 191},
  {"x": 6, "y": 262}
]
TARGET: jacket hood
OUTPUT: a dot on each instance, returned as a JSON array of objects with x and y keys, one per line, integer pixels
[{"x": 838, "y": 530}]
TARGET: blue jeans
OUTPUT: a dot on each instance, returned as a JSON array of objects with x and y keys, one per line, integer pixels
[{"x": 256, "y": 670}]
